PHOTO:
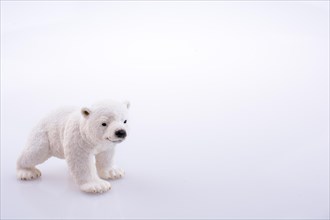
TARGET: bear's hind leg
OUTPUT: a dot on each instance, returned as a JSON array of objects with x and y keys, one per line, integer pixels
[{"x": 36, "y": 152}]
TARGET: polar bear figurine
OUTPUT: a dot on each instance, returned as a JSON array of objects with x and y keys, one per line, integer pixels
[{"x": 85, "y": 138}]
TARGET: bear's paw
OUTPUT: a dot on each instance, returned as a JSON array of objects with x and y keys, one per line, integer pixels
[
  {"x": 98, "y": 186},
  {"x": 28, "y": 173},
  {"x": 114, "y": 173}
]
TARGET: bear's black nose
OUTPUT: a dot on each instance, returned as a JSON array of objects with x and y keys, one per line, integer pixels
[{"x": 121, "y": 133}]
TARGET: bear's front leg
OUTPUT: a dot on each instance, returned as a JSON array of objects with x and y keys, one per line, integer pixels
[
  {"x": 82, "y": 168},
  {"x": 105, "y": 165}
]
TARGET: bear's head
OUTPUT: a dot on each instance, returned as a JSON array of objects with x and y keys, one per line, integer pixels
[{"x": 106, "y": 121}]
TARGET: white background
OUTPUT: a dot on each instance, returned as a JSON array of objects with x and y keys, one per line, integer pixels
[{"x": 229, "y": 105}]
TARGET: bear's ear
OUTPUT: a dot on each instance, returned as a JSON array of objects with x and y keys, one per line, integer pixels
[
  {"x": 85, "y": 112},
  {"x": 127, "y": 104}
]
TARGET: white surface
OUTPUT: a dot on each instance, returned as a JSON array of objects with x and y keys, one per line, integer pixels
[{"x": 229, "y": 114}]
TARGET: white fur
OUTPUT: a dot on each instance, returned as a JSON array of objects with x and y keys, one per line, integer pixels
[{"x": 78, "y": 136}]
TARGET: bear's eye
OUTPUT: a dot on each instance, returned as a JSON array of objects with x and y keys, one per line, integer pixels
[
  {"x": 104, "y": 124},
  {"x": 125, "y": 121}
]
